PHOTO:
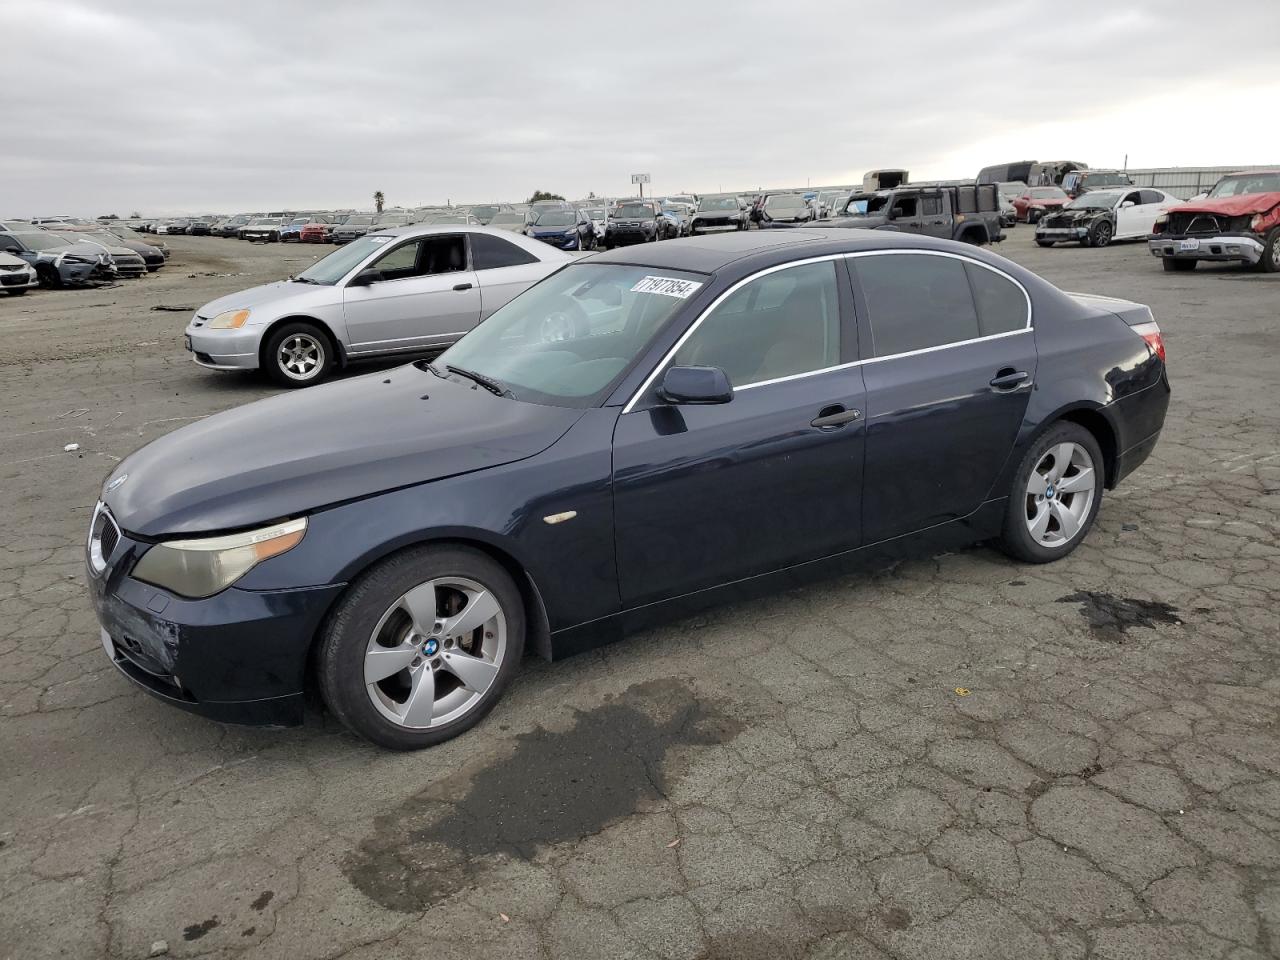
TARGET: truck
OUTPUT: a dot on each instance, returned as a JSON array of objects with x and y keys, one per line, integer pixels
[{"x": 962, "y": 211}]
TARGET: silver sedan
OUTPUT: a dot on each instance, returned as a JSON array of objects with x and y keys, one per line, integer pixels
[{"x": 402, "y": 291}]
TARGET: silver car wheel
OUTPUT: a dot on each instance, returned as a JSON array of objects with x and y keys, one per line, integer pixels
[
  {"x": 1060, "y": 494},
  {"x": 435, "y": 653},
  {"x": 300, "y": 356}
]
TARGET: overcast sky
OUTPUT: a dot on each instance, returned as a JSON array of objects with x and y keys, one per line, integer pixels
[{"x": 113, "y": 106}]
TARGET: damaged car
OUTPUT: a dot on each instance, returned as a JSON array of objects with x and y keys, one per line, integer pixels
[
  {"x": 60, "y": 261},
  {"x": 16, "y": 275},
  {"x": 717, "y": 214},
  {"x": 1096, "y": 218},
  {"x": 1238, "y": 220}
]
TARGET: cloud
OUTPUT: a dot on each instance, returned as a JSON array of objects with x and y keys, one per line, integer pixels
[{"x": 231, "y": 106}]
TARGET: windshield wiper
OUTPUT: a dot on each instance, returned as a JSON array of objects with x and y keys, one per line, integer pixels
[
  {"x": 490, "y": 384},
  {"x": 302, "y": 280}
]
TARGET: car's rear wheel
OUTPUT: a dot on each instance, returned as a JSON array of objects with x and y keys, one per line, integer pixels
[
  {"x": 422, "y": 646},
  {"x": 1270, "y": 261},
  {"x": 1101, "y": 233},
  {"x": 1178, "y": 265},
  {"x": 298, "y": 355},
  {"x": 1056, "y": 494}
]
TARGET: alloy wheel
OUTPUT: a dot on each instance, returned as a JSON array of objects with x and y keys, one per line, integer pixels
[
  {"x": 301, "y": 356},
  {"x": 1060, "y": 494},
  {"x": 435, "y": 653}
]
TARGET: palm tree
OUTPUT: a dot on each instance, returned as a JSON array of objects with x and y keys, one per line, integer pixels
[{"x": 378, "y": 199}]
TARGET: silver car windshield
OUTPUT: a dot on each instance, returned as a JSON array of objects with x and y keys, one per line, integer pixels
[
  {"x": 329, "y": 270},
  {"x": 567, "y": 340}
]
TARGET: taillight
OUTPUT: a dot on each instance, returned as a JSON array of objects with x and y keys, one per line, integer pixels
[{"x": 1150, "y": 332}]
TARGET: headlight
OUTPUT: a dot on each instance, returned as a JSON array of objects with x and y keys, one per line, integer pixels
[
  {"x": 200, "y": 568},
  {"x": 230, "y": 320}
]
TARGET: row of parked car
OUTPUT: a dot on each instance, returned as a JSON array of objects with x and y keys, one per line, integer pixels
[{"x": 67, "y": 251}]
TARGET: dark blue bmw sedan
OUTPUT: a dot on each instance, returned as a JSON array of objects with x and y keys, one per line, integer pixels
[{"x": 642, "y": 433}]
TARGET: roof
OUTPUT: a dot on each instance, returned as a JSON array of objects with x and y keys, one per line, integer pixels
[{"x": 710, "y": 253}]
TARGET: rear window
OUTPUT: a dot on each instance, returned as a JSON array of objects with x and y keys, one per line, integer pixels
[
  {"x": 1002, "y": 306},
  {"x": 489, "y": 252}
]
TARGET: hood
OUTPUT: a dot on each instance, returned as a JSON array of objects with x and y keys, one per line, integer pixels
[
  {"x": 8, "y": 260},
  {"x": 295, "y": 453},
  {"x": 255, "y": 296},
  {"x": 1233, "y": 206},
  {"x": 85, "y": 249},
  {"x": 538, "y": 231},
  {"x": 1073, "y": 216},
  {"x": 1048, "y": 201}
]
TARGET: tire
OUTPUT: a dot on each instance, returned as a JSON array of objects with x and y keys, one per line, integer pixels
[
  {"x": 298, "y": 355},
  {"x": 1045, "y": 243},
  {"x": 1041, "y": 526},
  {"x": 397, "y": 615},
  {"x": 1101, "y": 233},
  {"x": 1177, "y": 265},
  {"x": 50, "y": 277},
  {"x": 1270, "y": 261}
]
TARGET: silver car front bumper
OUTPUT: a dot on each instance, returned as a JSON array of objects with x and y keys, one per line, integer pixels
[
  {"x": 224, "y": 349},
  {"x": 1207, "y": 248}
]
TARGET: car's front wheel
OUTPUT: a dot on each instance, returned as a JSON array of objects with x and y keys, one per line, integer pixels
[
  {"x": 1056, "y": 494},
  {"x": 298, "y": 355},
  {"x": 422, "y": 646},
  {"x": 1101, "y": 234},
  {"x": 1270, "y": 261}
]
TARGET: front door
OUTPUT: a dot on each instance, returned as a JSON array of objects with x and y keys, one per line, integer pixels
[
  {"x": 952, "y": 367},
  {"x": 707, "y": 494},
  {"x": 1135, "y": 220},
  {"x": 425, "y": 295}
]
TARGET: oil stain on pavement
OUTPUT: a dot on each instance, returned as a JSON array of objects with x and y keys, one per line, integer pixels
[
  {"x": 1111, "y": 617},
  {"x": 557, "y": 786}
]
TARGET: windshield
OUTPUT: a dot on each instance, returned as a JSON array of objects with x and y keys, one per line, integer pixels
[
  {"x": 673, "y": 208},
  {"x": 785, "y": 201},
  {"x": 1095, "y": 200},
  {"x": 554, "y": 218},
  {"x": 507, "y": 216},
  {"x": 634, "y": 210},
  {"x": 718, "y": 203},
  {"x": 446, "y": 218},
  {"x": 569, "y": 338},
  {"x": 1047, "y": 193},
  {"x": 359, "y": 220},
  {"x": 1246, "y": 183},
  {"x": 329, "y": 270},
  {"x": 594, "y": 213},
  {"x": 484, "y": 212},
  {"x": 266, "y": 222},
  {"x": 393, "y": 219},
  {"x": 41, "y": 241},
  {"x": 1013, "y": 188}
]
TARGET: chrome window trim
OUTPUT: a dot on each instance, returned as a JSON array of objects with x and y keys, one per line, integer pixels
[{"x": 675, "y": 348}]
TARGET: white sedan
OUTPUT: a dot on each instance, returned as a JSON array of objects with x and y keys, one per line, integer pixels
[
  {"x": 1096, "y": 218},
  {"x": 401, "y": 291}
]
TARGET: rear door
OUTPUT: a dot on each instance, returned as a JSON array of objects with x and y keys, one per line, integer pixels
[
  {"x": 427, "y": 297},
  {"x": 503, "y": 269},
  {"x": 952, "y": 364},
  {"x": 707, "y": 494},
  {"x": 935, "y": 215}
]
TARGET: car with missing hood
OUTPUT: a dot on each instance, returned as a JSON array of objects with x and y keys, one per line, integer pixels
[
  {"x": 263, "y": 230},
  {"x": 1239, "y": 219},
  {"x": 16, "y": 275},
  {"x": 60, "y": 260},
  {"x": 129, "y": 262},
  {"x": 408, "y": 290},
  {"x": 1096, "y": 218},
  {"x": 643, "y": 434}
]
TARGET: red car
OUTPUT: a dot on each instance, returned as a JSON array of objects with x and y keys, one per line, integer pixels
[
  {"x": 1035, "y": 202},
  {"x": 313, "y": 233}
]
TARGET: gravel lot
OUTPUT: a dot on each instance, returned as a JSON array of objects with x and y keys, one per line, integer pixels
[{"x": 958, "y": 758}]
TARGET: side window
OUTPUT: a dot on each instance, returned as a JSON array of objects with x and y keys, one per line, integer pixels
[
  {"x": 398, "y": 262},
  {"x": 10, "y": 245},
  {"x": 904, "y": 206},
  {"x": 1152, "y": 196},
  {"x": 442, "y": 255},
  {"x": 916, "y": 301},
  {"x": 1133, "y": 196},
  {"x": 931, "y": 206},
  {"x": 781, "y": 324},
  {"x": 966, "y": 199},
  {"x": 1002, "y": 307},
  {"x": 489, "y": 252}
]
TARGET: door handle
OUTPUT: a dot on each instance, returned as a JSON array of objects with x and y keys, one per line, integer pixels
[
  {"x": 1008, "y": 378},
  {"x": 835, "y": 416},
  {"x": 462, "y": 286}
]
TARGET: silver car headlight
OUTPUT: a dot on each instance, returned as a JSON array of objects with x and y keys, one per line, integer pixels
[
  {"x": 229, "y": 320},
  {"x": 199, "y": 568}
]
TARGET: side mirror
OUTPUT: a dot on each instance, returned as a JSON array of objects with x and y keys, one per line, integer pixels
[
  {"x": 895, "y": 213},
  {"x": 365, "y": 277},
  {"x": 696, "y": 385},
  {"x": 1126, "y": 203}
]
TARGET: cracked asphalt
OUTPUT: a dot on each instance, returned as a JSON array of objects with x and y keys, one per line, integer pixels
[{"x": 958, "y": 757}]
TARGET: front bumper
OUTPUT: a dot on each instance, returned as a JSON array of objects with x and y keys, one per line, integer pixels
[
  {"x": 19, "y": 279},
  {"x": 1241, "y": 247},
  {"x": 1061, "y": 233},
  {"x": 559, "y": 241},
  {"x": 238, "y": 656},
  {"x": 699, "y": 226},
  {"x": 74, "y": 273},
  {"x": 624, "y": 238},
  {"x": 260, "y": 236},
  {"x": 224, "y": 349}
]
